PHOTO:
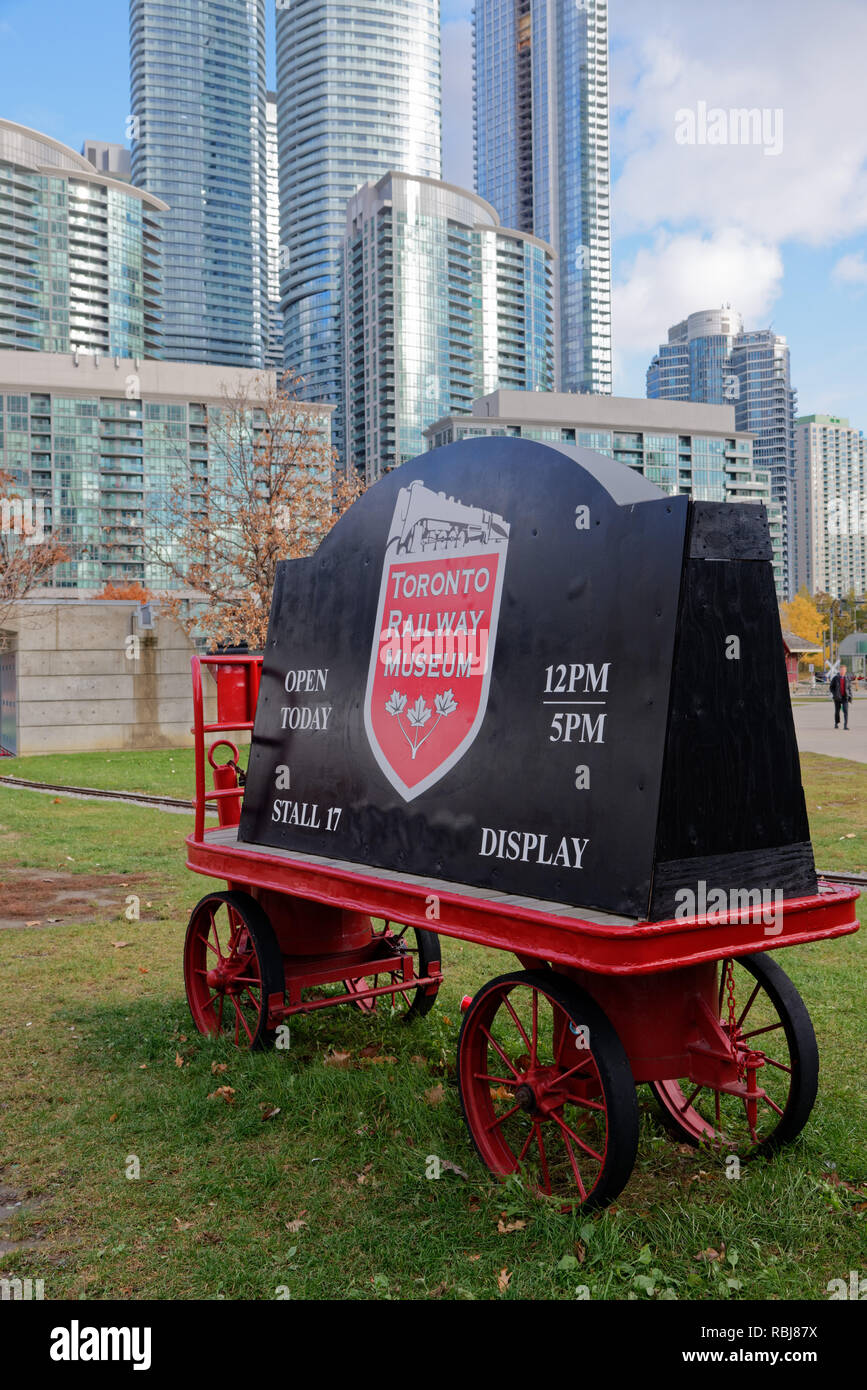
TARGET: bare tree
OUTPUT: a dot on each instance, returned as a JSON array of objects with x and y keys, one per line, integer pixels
[
  {"x": 27, "y": 554},
  {"x": 269, "y": 491}
]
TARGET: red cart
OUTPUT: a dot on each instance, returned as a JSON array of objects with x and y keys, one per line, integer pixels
[{"x": 549, "y": 1056}]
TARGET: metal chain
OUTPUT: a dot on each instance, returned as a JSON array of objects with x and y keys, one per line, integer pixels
[{"x": 737, "y": 1055}]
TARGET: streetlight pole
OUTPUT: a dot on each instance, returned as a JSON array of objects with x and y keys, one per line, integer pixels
[{"x": 835, "y": 603}]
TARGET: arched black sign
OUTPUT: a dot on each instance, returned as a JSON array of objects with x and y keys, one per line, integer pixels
[{"x": 522, "y": 667}]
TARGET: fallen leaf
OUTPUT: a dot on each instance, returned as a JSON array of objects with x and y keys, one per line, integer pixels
[
  {"x": 143, "y": 1066},
  {"x": 446, "y": 1166},
  {"x": 182, "y": 1225},
  {"x": 269, "y": 1111},
  {"x": 182, "y": 1038},
  {"x": 119, "y": 945},
  {"x": 112, "y": 1118},
  {"x": 36, "y": 923},
  {"x": 217, "y": 1068},
  {"x": 710, "y": 1254},
  {"x": 419, "y": 1061},
  {"x": 504, "y": 1279},
  {"x": 362, "y": 1176},
  {"x": 371, "y": 1050},
  {"x": 473, "y": 1258},
  {"x": 505, "y": 1228},
  {"x": 226, "y": 1093},
  {"x": 502, "y": 1093},
  {"x": 438, "y": 1291},
  {"x": 295, "y": 1226},
  {"x": 179, "y": 1061},
  {"x": 337, "y": 1059},
  {"x": 143, "y": 970},
  {"x": 377, "y": 1061},
  {"x": 57, "y": 801},
  {"x": 435, "y": 1095},
  {"x": 580, "y": 1251}
]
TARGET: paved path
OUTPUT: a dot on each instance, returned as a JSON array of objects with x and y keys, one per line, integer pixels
[{"x": 814, "y": 725}]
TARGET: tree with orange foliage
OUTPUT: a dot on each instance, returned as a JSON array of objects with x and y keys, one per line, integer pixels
[
  {"x": 129, "y": 589},
  {"x": 270, "y": 491},
  {"x": 27, "y": 554},
  {"x": 802, "y": 617}
]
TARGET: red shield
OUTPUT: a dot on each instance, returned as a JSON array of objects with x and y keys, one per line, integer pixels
[{"x": 433, "y": 644}]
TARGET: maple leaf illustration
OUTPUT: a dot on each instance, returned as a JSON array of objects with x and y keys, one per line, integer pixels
[
  {"x": 419, "y": 714},
  {"x": 396, "y": 703},
  {"x": 446, "y": 703}
]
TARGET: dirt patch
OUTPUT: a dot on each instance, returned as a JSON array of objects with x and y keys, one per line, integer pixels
[
  {"x": 40, "y": 898},
  {"x": 14, "y": 1204}
]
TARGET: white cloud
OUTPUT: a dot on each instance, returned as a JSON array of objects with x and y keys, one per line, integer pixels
[
  {"x": 850, "y": 270},
  {"x": 745, "y": 57},
  {"x": 679, "y": 274}
]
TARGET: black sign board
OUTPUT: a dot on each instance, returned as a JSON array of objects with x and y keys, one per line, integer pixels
[{"x": 471, "y": 680}]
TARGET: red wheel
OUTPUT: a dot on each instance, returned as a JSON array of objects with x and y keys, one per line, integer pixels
[
  {"x": 776, "y": 1046},
  {"x": 232, "y": 963},
  {"x": 424, "y": 947},
  {"x": 546, "y": 1087}
]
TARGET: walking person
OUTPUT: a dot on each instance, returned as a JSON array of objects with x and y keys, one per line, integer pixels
[{"x": 841, "y": 690}]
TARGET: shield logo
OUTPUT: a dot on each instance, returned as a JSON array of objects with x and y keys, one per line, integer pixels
[{"x": 433, "y": 644}]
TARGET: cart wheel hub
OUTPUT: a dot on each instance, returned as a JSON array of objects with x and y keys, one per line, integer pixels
[
  {"x": 216, "y": 979},
  {"x": 525, "y": 1097}
]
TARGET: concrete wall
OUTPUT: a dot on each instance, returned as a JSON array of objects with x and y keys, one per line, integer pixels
[{"x": 78, "y": 689}]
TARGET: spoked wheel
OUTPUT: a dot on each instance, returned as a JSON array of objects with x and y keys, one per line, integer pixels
[
  {"x": 546, "y": 1088},
  {"x": 779, "y": 1061},
  {"x": 232, "y": 963},
  {"x": 424, "y": 947}
]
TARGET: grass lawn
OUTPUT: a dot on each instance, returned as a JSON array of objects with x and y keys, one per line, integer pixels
[
  {"x": 163, "y": 772},
  {"x": 103, "y": 1076}
]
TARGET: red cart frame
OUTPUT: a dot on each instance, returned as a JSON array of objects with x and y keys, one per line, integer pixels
[{"x": 653, "y": 996}]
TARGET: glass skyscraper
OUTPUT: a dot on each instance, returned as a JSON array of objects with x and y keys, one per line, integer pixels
[
  {"x": 79, "y": 253},
  {"x": 358, "y": 95},
  {"x": 694, "y": 365},
  {"x": 830, "y": 506},
  {"x": 100, "y": 442},
  {"x": 198, "y": 128},
  {"x": 709, "y": 357},
  {"x": 442, "y": 305},
  {"x": 541, "y": 153}
]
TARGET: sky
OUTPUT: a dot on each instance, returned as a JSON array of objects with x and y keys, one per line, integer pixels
[{"x": 781, "y": 236}]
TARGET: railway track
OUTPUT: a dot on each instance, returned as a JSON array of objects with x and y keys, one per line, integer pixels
[
  {"x": 856, "y": 880},
  {"x": 162, "y": 803},
  {"x": 171, "y": 803}
]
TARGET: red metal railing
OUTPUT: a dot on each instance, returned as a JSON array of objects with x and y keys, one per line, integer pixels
[{"x": 237, "y": 680}]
